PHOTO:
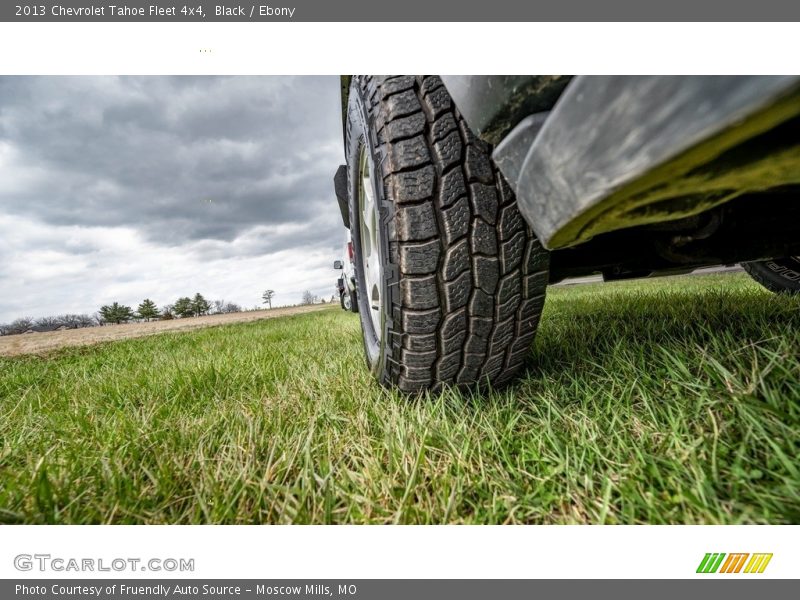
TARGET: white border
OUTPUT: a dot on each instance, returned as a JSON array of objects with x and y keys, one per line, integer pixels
[
  {"x": 429, "y": 552},
  {"x": 318, "y": 48},
  {"x": 453, "y": 48}
]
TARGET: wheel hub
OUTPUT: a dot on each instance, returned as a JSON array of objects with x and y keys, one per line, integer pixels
[{"x": 370, "y": 244}]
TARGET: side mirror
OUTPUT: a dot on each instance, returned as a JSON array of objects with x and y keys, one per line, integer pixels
[{"x": 337, "y": 264}]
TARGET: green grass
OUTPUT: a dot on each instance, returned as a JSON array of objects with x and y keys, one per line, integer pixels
[{"x": 659, "y": 401}]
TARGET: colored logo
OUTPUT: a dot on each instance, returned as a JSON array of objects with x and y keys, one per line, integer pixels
[{"x": 719, "y": 562}]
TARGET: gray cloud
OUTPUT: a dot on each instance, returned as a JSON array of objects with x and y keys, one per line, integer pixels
[{"x": 211, "y": 169}]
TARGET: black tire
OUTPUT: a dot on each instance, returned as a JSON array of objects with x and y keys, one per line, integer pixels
[
  {"x": 353, "y": 301},
  {"x": 341, "y": 301},
  {"x": 462, "y": 278},
  {"x": 780, "y": 275},
  {"x": 349, "y": 302}
]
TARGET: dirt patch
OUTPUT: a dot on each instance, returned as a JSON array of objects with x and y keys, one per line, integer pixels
[{"x": 38, "y": 343}]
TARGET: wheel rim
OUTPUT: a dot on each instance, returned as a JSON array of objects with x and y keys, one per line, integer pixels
[{"x": 370, "y": 244}]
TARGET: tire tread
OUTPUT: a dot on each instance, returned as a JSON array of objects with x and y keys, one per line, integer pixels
[{"x": 470, "y": 275}]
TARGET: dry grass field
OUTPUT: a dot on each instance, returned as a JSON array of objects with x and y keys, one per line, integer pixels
[{"x": 39, "y": 343}]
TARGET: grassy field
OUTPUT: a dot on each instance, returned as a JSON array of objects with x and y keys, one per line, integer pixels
[{"x": 663, "y": 401}]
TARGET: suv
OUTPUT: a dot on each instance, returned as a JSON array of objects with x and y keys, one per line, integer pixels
[
  {"x": 346, "y": 284},
  {"x": 466, "y": 196}
]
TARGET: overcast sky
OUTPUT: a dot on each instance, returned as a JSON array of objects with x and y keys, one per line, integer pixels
[{"x": 117, "y": 189}]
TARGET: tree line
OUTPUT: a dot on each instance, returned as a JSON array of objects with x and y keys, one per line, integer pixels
[
  {"x": 182, "y": 308},
  {"x": 116, "y": 313}
]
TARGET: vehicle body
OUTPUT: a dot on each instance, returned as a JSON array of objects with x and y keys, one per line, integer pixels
[
  {"x": 626, "y": 176},
  {"x": 346, "y": 284}
]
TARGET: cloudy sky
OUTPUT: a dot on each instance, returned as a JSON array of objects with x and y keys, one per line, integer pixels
[{"x": 125, "y": 188}]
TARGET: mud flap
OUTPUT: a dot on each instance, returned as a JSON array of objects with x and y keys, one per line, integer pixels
[{"x": 340, "y": 187}]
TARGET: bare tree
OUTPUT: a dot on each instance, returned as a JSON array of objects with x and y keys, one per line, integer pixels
[
  {"x": 67, "y": 321},
  {"x": 83, "y": 320},
  {"x": 71, "y": 321},
  {"x": 48, "y": 323},
  {"x": 20, "y": 325},
  {"x": 309, "y": 298},
  {"x": 231, "y": 307},
  {"x": 221, "y": 307},
  {"x": 268, "y": 296}
]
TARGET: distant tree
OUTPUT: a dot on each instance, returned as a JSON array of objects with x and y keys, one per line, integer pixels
[
  {"x": 200, "y": 305},
  {"x": 125, "y": 313},
  {"x": 183, "y": 307},
  {"x": 48, "y": 323},
  {"x": 66, "y": 321},
  {"x": 148, "y": 310},
  {"x": 71, "y": 321},
  {"x": 168, "y": 312},
  {"x": 231, "y": 307},
  {"x": 82, "y": 320},
  {"x": 116, "y": 313},
  {"x": 20, "y": 325},
  {"x": 221, "y": 307},
  {"x": 268, "y": 296},
  {"x": 308, "y": 298}
]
